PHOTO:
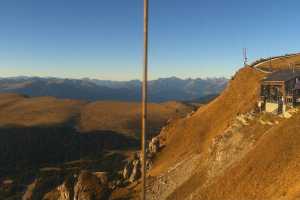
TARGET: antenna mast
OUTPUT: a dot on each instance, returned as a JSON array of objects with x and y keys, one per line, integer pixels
[{"x": 245, "y": 57}]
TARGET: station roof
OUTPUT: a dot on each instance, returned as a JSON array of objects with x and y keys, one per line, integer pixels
[{"x": 283, "y": 75}]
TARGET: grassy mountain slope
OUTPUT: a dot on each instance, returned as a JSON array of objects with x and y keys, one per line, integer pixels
[
  {"x": 122, "y": 117},
  {"x": 257, "y": 162},
  {"x": 125, "y": 117},
  {"x": 18, "y": 110},
  {"x": 193, "y": 134},
  {"x": 269, "y": 171}
]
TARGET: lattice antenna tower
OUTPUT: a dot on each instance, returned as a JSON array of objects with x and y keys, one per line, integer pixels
[{"x": 245, "y": 57}]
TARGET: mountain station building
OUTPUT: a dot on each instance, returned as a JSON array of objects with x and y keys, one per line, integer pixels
[{"x": 280, "y": 91}]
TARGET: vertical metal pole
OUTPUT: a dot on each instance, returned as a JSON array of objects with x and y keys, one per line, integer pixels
[
  {"x": 144, "y": 99},
  {"x": 245, "y": 57}
]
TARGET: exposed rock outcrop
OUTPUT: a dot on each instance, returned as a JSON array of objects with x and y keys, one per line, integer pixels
[
  {"x": 136, "y": 171},
  {"x": 90, "y": 187},
  {"x": 62, "y": 192},
  {"x": 153, "y": 146},
  {"x": 127, "y": 171},
  {"x": 132, "y": 169},
  {"x": 30, "y": 190},
  {"x": 43, "y": 185}
]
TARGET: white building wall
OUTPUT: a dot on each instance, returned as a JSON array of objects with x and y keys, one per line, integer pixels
[{"x": 271, "y": 107}]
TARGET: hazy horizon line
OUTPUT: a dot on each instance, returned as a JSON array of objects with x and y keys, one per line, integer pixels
[{"x": 114, "y": 80}]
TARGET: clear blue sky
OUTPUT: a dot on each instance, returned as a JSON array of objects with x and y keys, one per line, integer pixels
[{"x": 103, "y": 38}]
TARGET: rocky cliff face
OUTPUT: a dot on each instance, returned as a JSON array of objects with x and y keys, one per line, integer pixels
[
  {"x": 84, "y": 186},
  {"x": 59, "y": 184}
]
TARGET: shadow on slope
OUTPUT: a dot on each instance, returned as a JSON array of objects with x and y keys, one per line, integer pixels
[{"x": 34, "y": 146}]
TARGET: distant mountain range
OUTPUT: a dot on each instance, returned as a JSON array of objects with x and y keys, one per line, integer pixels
[{"x": 163, "y": 89}]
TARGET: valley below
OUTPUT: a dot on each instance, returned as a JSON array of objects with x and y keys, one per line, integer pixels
[{"x": 46, "y": 141}]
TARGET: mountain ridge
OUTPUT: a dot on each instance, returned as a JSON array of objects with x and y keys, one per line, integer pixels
[{"x": 160, "y": 90}]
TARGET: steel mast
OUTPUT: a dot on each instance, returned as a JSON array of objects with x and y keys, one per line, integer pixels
[{"x": 144, "y": 98}]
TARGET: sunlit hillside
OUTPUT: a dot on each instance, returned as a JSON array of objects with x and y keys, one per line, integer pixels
[{"x": 228, "y": 150}]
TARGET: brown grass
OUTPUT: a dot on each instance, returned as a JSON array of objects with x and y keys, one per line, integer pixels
[
  {"x": 17, "y": 110},
  {"x": 281, "y": 62},
  {"x": 125, "y": 117},
  {"x": 121, "y": 117},
  {"x": 269, "y": 171},
  {"x": 193, "y": 134}
]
